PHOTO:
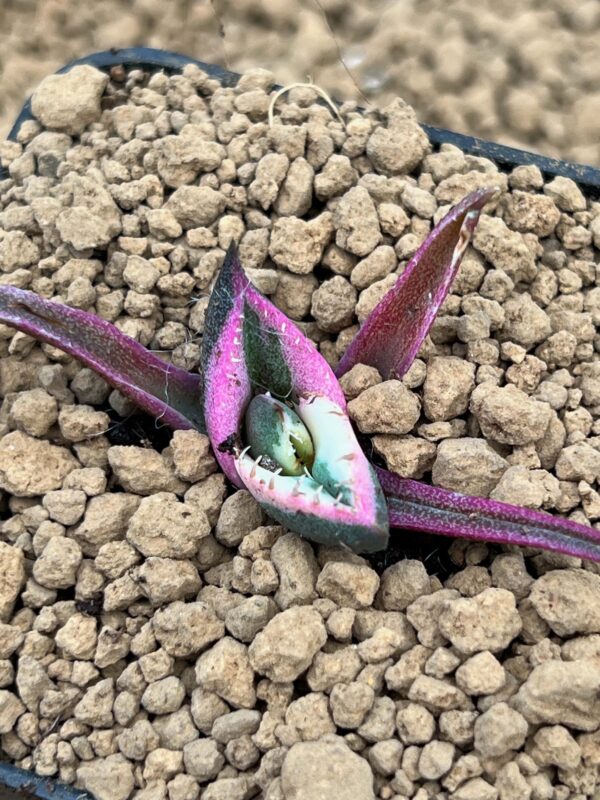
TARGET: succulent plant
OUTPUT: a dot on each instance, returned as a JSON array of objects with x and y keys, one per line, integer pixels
[{"x": 275, "y": 412}]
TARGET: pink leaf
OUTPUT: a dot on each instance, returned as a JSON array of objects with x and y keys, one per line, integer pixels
[
  {"x": 170, "y": 394},
  {"x": 250, "y": 345},
  {"x": 391, "y": 336},
  {"x": 416, "y": 506}
]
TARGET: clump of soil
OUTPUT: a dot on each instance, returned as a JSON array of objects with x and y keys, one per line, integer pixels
[
  {"x": 159, "y": 637},
  {"x": 521, "y": 74}
]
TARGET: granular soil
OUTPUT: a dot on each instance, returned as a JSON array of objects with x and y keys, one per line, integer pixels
[{"x": 159, "y": 637}]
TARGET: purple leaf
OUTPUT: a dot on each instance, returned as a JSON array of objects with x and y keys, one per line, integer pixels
[
  {"x": 392, "y": 334},
  {"x": 250, "y": 345},
  {"x": 227, "y": 386},
  {"x": 416, "y": 506},
  {"x": 249, "y": 348},
  {"x": 168, "y": 393}
]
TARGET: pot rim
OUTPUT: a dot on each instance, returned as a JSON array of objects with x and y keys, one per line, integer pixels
[{"x": 154, "y": 60}]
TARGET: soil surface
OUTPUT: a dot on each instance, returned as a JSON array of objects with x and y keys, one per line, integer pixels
[
  {"x": 159, "y": 637},
  {"x": 523, "y": 74}
]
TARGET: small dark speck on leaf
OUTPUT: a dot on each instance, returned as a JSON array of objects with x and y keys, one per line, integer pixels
[{"x": 228, "y": 444}]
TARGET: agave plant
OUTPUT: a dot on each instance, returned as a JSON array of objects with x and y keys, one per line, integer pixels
[{"x": 276, "y": 415}]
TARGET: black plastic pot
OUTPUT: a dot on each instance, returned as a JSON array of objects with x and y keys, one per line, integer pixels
[{"x": 18, "y": 784}]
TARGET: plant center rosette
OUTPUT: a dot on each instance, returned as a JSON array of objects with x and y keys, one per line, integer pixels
[{"x": 277, "y": 418}]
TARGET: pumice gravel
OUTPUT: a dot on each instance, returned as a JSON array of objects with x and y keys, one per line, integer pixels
[{"x": 160, "y": 639}]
